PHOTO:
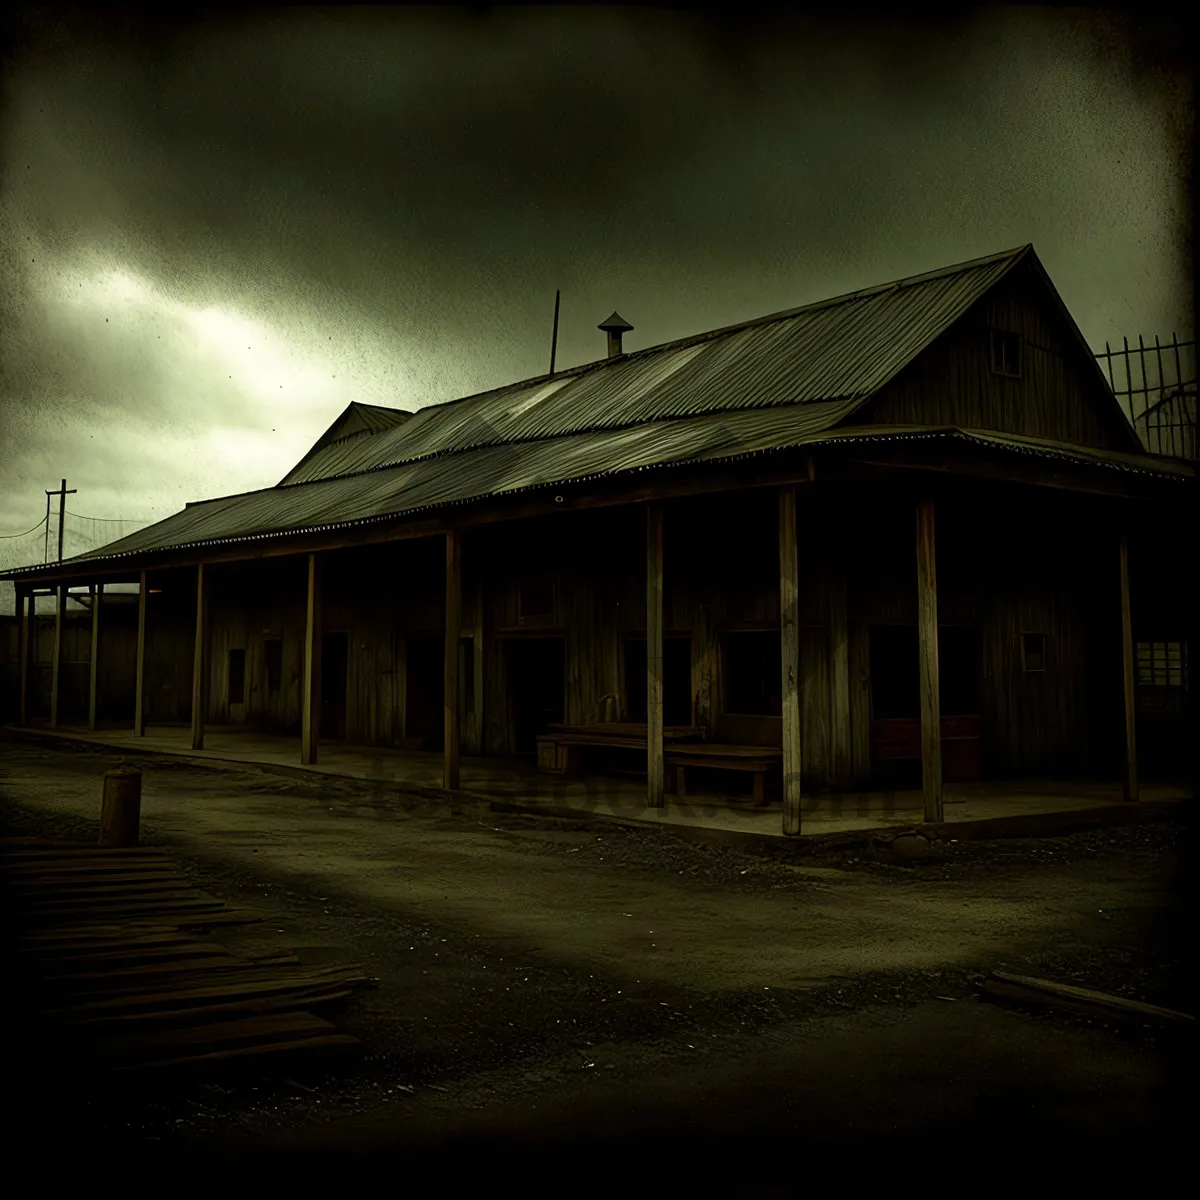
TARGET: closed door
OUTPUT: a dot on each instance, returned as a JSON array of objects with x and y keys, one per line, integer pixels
[
  {"x": 537, "y": 687},
  {"x": 334, "y": 660}
]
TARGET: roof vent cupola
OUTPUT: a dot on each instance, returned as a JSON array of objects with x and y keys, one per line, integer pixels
[{"x": 614, "y": 327}]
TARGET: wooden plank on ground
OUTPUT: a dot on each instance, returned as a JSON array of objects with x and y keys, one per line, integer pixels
[
  {"x": 328, "y": 1045},
  {"x": 216, "y": 993},
  {"x": 262, "y": 1027},
  {"x": 316, "y": 997},
  {"x": 1028, "y": 987}
]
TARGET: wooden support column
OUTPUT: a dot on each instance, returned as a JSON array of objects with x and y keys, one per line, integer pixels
[
  {"x": 200, "y": 662},
  {"x": 97, "y": 590},
  {"x": 27, "y": 624},
  {"x": 310, "y": 697},
  {"x": 655, "y": 762},
  {"x": 927, "y": 629},
  {"x": 1129, "y": 777},
  {"x": 60, "y": 601},
  {"x": 453, "y": 625},
  {"x": 789, "y": 645},
  {"x": 139, "y": 694}
]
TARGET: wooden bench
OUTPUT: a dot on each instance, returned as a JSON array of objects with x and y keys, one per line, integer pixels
[
  {"x": 560, "y": 748},
  {"x": 755, "y": 760},
  {"x": 898, "y": 739}
]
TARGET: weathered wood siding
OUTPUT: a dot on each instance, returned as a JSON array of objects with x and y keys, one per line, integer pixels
[
  {"x": 1022, "y": 566},
  {"x": 952, "y": 382}
]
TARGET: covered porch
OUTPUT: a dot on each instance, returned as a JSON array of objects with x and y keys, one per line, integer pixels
[
  {"x": 976, "y": 806},
  {"x": 815, "y": 618}
]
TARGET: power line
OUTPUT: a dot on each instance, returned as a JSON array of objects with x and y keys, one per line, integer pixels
[
  {"x": 110, "y": 520},
  {"x": 27, "y": 532}
]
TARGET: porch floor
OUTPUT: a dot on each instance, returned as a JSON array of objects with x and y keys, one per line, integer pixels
[{"x": 619, "y": 798}]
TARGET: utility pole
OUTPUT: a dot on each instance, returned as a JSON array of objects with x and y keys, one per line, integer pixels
[{"x": 62, "y": 495}]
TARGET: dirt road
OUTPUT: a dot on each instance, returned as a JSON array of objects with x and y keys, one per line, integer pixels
[{"x": 613, "y": 984}]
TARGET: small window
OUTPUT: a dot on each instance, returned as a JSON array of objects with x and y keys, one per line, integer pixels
[
  {"x": 237, "y": 676},
  {"x": 1033, "y": 651},
  {"x": 1161, "y": 664},
  {"x": 1006, "y": 353},
  {"x": 752, "y": 668},
  {"x": 274, "y": 663},
  {"x": 536, "y": 599}
]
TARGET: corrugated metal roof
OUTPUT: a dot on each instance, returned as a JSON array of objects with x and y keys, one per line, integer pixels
[
  {"x": 771, "y": 384},
  {"x": 845, "y": 348},
  {"x": 412, "y": 488}
]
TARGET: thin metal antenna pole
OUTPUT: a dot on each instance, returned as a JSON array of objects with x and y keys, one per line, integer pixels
[{"x": 554, "y": 336}]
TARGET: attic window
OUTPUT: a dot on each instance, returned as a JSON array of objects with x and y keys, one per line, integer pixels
[{"x": 1007, "y": 352}]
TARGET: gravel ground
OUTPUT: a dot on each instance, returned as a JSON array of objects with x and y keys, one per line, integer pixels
[{"x": 467, "y": 1020}]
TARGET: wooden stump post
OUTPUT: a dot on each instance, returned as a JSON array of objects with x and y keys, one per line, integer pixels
[
  {"x": 1129, "y": 778},
  {"x": 200, "y": 662},
  {"x": 26, "y": 611},
  {"x": 789, "y": 646},
  {"x": 139, "y": 695},
  {"x": 931, "y": 729},
  {"x": 94, "y": 660},
  {"x": 60, "y": 601},
  {"x": 310, "y": 699},
  {"x": 453, "y": 624},
  {"x": 655, "y": 761},
  {"x": 121, "y": 809}
]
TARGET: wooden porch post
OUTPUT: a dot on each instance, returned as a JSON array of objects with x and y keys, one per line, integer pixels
[
  {"x": 453, "y": 625},
  {"x": 310, "y": 697},
  {"x": 139, "y": 695},
  {"x": 789, "y": 646},
  {"x": 927, "y": 628},
  {"x": 26, "y": 622},
  {"x": 1129, "y": 779},
  {"x": 60, "y": 600},
  {"x": 655, "y": 764},
  {"x": 97, "y": 591},
  {"x": 200, "y": 663}
]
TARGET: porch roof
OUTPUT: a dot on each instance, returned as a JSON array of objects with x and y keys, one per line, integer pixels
[{"x": 417, "y": 488}]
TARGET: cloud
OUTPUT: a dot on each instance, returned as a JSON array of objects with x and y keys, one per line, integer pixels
[{"x": 215, "y": 232}]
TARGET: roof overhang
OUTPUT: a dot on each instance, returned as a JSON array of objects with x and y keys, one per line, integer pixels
[{"x": 978, "y": 453}]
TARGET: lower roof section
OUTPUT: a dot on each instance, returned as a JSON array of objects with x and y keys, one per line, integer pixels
[{"x": 423, "y": 488}]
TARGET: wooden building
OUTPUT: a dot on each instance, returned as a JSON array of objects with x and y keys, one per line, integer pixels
[{"x": 903, "y": 535}]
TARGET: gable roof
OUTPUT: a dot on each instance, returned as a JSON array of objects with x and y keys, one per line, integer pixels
[
  {"x": 842, "y": 350},
  {"x": 355, "y": 420},
  {"x": 773, "y": 383}
]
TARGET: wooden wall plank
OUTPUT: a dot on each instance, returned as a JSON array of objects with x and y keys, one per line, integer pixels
[
  {"x": 200, "y": 662},
  {"x": 139, "y": 701},
  {"x": 789, "y": 597},
  {"x": 927, "y": 628},
  {"x": 1129, "y": 778},
  {"x": 27, "y": 614},
  {"x": 310, "y": 696},
  {"x": 97, "y": 590},
  {"x": 841, "y": 765},
  {"x": 60, "y": 603},
  {"x": 655, "y": 763},
  {"x": 450, "y": 771}
]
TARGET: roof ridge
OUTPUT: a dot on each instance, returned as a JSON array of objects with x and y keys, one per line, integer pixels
[{"x": 695, "y": 338}]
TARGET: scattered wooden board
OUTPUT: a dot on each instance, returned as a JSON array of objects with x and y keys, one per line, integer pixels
[{"x": 1028, "y": 988}]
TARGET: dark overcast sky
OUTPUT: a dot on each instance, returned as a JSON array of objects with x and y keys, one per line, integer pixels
[{"x": 216, "y": 233}]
